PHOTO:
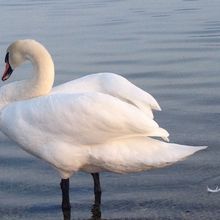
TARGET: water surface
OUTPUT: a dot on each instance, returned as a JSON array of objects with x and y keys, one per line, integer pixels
[{"x": 170, "y": 49}]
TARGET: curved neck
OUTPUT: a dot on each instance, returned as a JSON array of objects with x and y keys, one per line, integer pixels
[
  {"x": 43, "y": 77},
  {"x": 41, "y": 82}
]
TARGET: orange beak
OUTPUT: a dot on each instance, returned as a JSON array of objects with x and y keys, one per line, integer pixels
[{"x": 7, "y": 73}]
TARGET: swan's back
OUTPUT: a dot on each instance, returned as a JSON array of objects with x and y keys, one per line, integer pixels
[{"x": 114, "y": 85}]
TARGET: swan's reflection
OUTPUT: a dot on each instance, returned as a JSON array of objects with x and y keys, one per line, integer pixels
[
  {"x": 66, "y": 214},
  {"x": 95, "y": 210}
]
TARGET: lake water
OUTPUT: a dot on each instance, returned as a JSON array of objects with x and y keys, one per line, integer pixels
[{"x": 170, "y": 49}]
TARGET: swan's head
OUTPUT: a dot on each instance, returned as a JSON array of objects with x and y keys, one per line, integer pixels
[
  {"x": 15, "y": 56},
  {"x": 17, "y": 53}
]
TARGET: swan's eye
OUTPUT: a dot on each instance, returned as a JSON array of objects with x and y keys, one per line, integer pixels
[{"x": 7, "y": 58}]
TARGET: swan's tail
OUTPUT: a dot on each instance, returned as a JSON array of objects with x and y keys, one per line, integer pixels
[{"x": 139, "y": 154}]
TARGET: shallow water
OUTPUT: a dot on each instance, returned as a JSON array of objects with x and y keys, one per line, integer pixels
[{"x": 169, "y": 48}]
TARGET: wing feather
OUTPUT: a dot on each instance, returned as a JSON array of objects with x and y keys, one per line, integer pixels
[
  {"x": 83, "y": 119},
  {"x": 114, "y": 85}
]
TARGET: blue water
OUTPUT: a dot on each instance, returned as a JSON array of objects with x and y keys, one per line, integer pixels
[{"x": 170, "y": 49}]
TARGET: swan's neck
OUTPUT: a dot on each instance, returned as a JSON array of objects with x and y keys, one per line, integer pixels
[
  {"x": 40, "y": 84},
  {"x": 43, "y": 78}
]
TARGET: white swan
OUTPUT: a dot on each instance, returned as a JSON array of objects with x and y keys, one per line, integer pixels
[{"x": 100, "y": 122}]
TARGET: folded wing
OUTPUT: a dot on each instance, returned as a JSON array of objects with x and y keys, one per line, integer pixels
[
  {"x": 80, "y": 119},
  {"x": 114, "y": 85}
]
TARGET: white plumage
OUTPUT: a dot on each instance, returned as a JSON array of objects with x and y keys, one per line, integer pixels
[{"x": 100, "y": 122}]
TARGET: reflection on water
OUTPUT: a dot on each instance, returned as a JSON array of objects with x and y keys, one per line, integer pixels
[
  {"x": 95, "y": 213},
  {"x": 67, "y": 214},
  {"x": 169, "y": 48},
  {"x": 95, "y": 210}
]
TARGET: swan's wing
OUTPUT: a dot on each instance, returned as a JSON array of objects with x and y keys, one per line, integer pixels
[
  {"x": 112, "y": 84},
  {"x": 80, "y": 119}
]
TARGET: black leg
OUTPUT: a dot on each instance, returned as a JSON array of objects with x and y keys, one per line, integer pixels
[
  {"x": 96, "y": 211},
  {"x": 97, "y": 188},
  {"x": 64, "y": 184}
]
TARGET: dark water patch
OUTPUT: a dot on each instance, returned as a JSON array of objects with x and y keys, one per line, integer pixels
[
  {"x": 189, "y": 50},
  {"x": 13, "y": 161},
  {"x": 160, "y": 15},
  {"x": 36, "y": 212},
  {"x": 187, "y": 9}
]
